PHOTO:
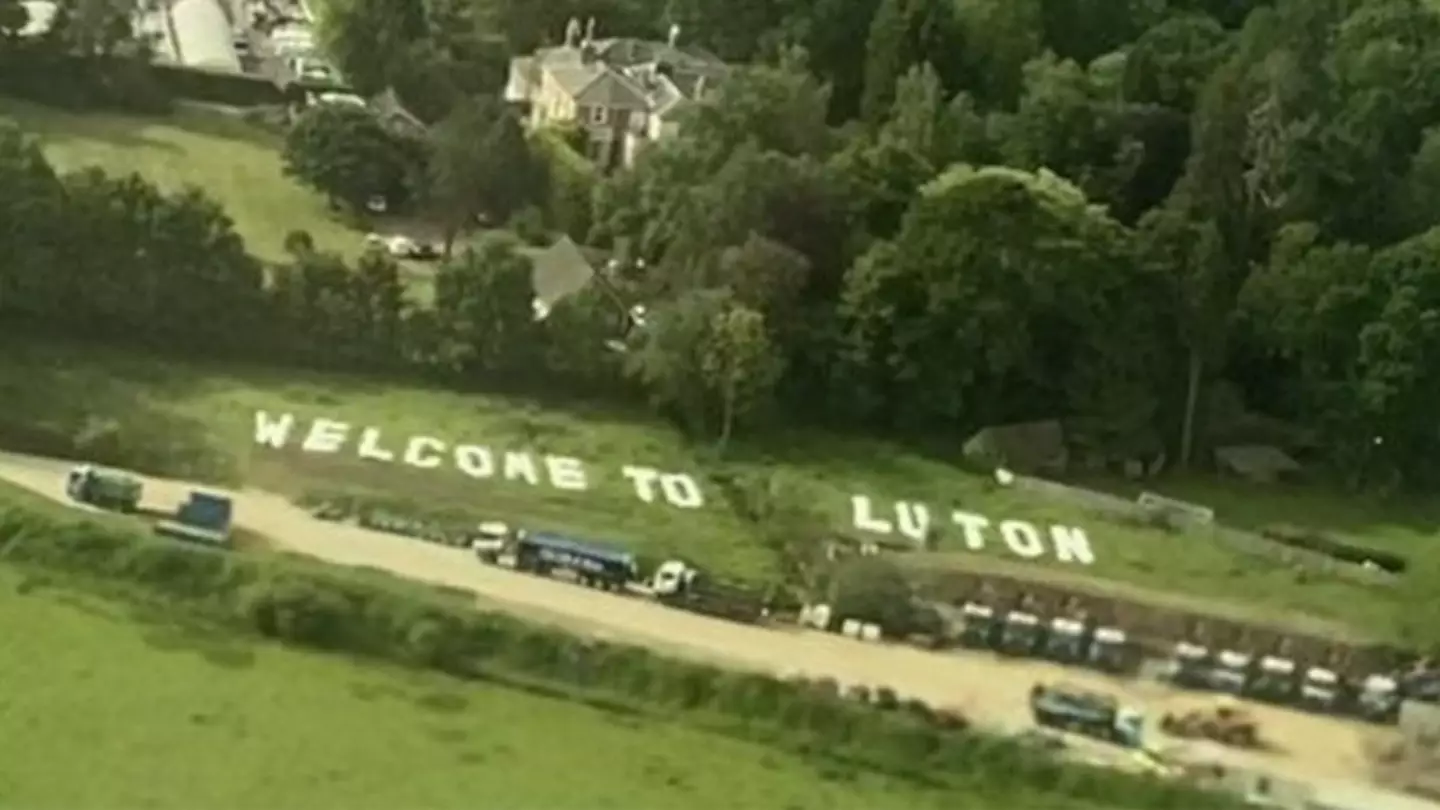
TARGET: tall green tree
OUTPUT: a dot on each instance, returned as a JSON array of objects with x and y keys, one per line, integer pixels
[
  {"x": 740, "y": 365},
  {"x": 479, "y": 163},
  {"x": 349, "y": 155},
  {"x": 485, "y": 312}
]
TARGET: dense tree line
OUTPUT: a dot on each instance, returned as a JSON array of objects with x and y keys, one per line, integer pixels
[{"x": 1154, "y": 219}]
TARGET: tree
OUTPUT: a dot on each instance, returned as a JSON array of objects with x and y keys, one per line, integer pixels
[
  {"x": 740, "y": 365},
  {"x": 667, "y": 354},
  {"x": 998, "y": 287},
  {"x": 485, "y": 312},
  {"x": 370, "y": 39},
  {"x": 479, "y": 163},
  {"x": 581, "y": 335},
  {"x": 348, "y": 154},
  {"x": 31, "y": 205},
  {"x": 765, "y": 276},
  {"x": 14, "y": 17}
]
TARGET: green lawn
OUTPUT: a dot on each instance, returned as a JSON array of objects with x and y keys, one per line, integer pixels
[
  {"x": 233, "y": 161},
  {"x": 189, "y": 419},
  {"x": 102, "y": 707}
]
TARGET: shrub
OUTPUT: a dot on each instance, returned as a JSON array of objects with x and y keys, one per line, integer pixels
[{"x": 362, "y": 613}]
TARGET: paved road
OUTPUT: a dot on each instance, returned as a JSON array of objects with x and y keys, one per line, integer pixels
[{"x": 991, "y": 691}]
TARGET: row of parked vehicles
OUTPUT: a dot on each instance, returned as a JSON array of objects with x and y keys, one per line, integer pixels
[
  {"x": 1061, "y": 639},
  {"x": 1283, "y": 681},
  {"x": 1267, "y": 678}
]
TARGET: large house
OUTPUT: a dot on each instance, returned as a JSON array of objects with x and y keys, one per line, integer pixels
[{"x": 623, "y": 93}]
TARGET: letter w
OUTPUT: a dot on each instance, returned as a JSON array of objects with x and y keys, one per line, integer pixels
[{"x": 272, "y": 432}]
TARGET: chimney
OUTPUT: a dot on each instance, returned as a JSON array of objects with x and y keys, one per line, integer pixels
[
  {"x": 674, "y": 36},
  {"x": 572, "y": 33},
  {"x": 590, "y": 30}
]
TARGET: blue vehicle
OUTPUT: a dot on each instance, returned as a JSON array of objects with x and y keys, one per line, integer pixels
[
  {"x": 595, "y": 566},
  {"x": 204, "y": 518},
  {"x": 1083, "y": 712}
]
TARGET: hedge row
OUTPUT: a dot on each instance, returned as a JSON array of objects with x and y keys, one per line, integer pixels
[
  {"x": 379, "y": 617},
  {"x": 1332, "y": 546}
]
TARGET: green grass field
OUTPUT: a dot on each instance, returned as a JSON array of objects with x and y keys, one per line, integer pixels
[
  {"x": 104, "y": 707},
  {"x": 206, "y": 416},
  {"x": 233, "y": 161}
]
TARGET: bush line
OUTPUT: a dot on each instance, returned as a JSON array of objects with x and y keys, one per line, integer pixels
[{"x": 376, "y": 616}]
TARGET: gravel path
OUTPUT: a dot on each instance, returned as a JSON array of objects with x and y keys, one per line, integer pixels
[{"x": 989, "y": 690}]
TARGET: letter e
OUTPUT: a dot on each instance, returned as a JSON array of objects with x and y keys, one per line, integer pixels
[{"x": 325, "y": 436}]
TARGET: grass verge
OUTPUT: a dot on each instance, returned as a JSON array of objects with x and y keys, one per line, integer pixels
[{"x": 123, "y": 695}]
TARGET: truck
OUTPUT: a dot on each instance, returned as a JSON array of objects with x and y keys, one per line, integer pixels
[
  {"x": 1189, "y": 665},
  {"x": 203, "y": 518},
  {"x": 1320, "y": 690},
  {"x": 1232, "y": 672},
  {"x": 1112, "y": 651},
  {"x": 1020, "y": 633},
  {"x": 678, "y": 584},
  {"x": 978, "y": 628},
  {"x": 1276, "y": 681},
  {"x": 1092, "y": 714},
  {"x": 1066, "y": 642},
  {"x": 1378, "y": 699},
  {"x": 106, "y": 489},
  {"x": 491, "y": 539},
  {"x": 592, "y": 565}
]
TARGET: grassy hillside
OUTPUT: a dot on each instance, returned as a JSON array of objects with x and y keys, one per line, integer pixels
[
  {"x": 235, "y": 163},
  {"x": 124, "y": 698},
  {"x": 191, "y": 420}
]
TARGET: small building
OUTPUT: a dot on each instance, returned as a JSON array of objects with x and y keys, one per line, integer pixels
[{"x": 623, "y": 93}]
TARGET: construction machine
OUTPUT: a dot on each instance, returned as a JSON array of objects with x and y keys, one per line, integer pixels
[
  {"x": 1020, "y": 633},
  {"x": 1275, "y": 681},
  {"x": 203, "y": 518},
  {"x": 1066, "y": 641},
  {"x": 106, "y": 489},
  {"x": 1092, "y": 714},
  {"x": 1225, "y": 723}
]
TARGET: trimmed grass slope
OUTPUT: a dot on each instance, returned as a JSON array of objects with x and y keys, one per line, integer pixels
[
  {"x": 197, "y": 421},
  {"x": 235, "y": 163}
]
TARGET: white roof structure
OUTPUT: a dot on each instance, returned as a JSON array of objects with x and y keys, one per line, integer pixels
[
  {"x": 203, "y": 36},
  {"x": 42, "y": 14}
]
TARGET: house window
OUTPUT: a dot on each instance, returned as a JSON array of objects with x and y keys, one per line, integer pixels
[{"x": 598, "y": 116}]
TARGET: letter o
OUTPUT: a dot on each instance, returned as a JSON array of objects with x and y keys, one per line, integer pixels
[
  {"x": 475, "y": 461},
  {"x": 681, "y": 491}
]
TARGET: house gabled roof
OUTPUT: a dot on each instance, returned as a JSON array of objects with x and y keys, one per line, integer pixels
[{"x": 615, "y": 90}]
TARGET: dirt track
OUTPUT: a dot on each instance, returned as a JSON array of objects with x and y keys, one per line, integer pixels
[{"x": 989, "y": 690}]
